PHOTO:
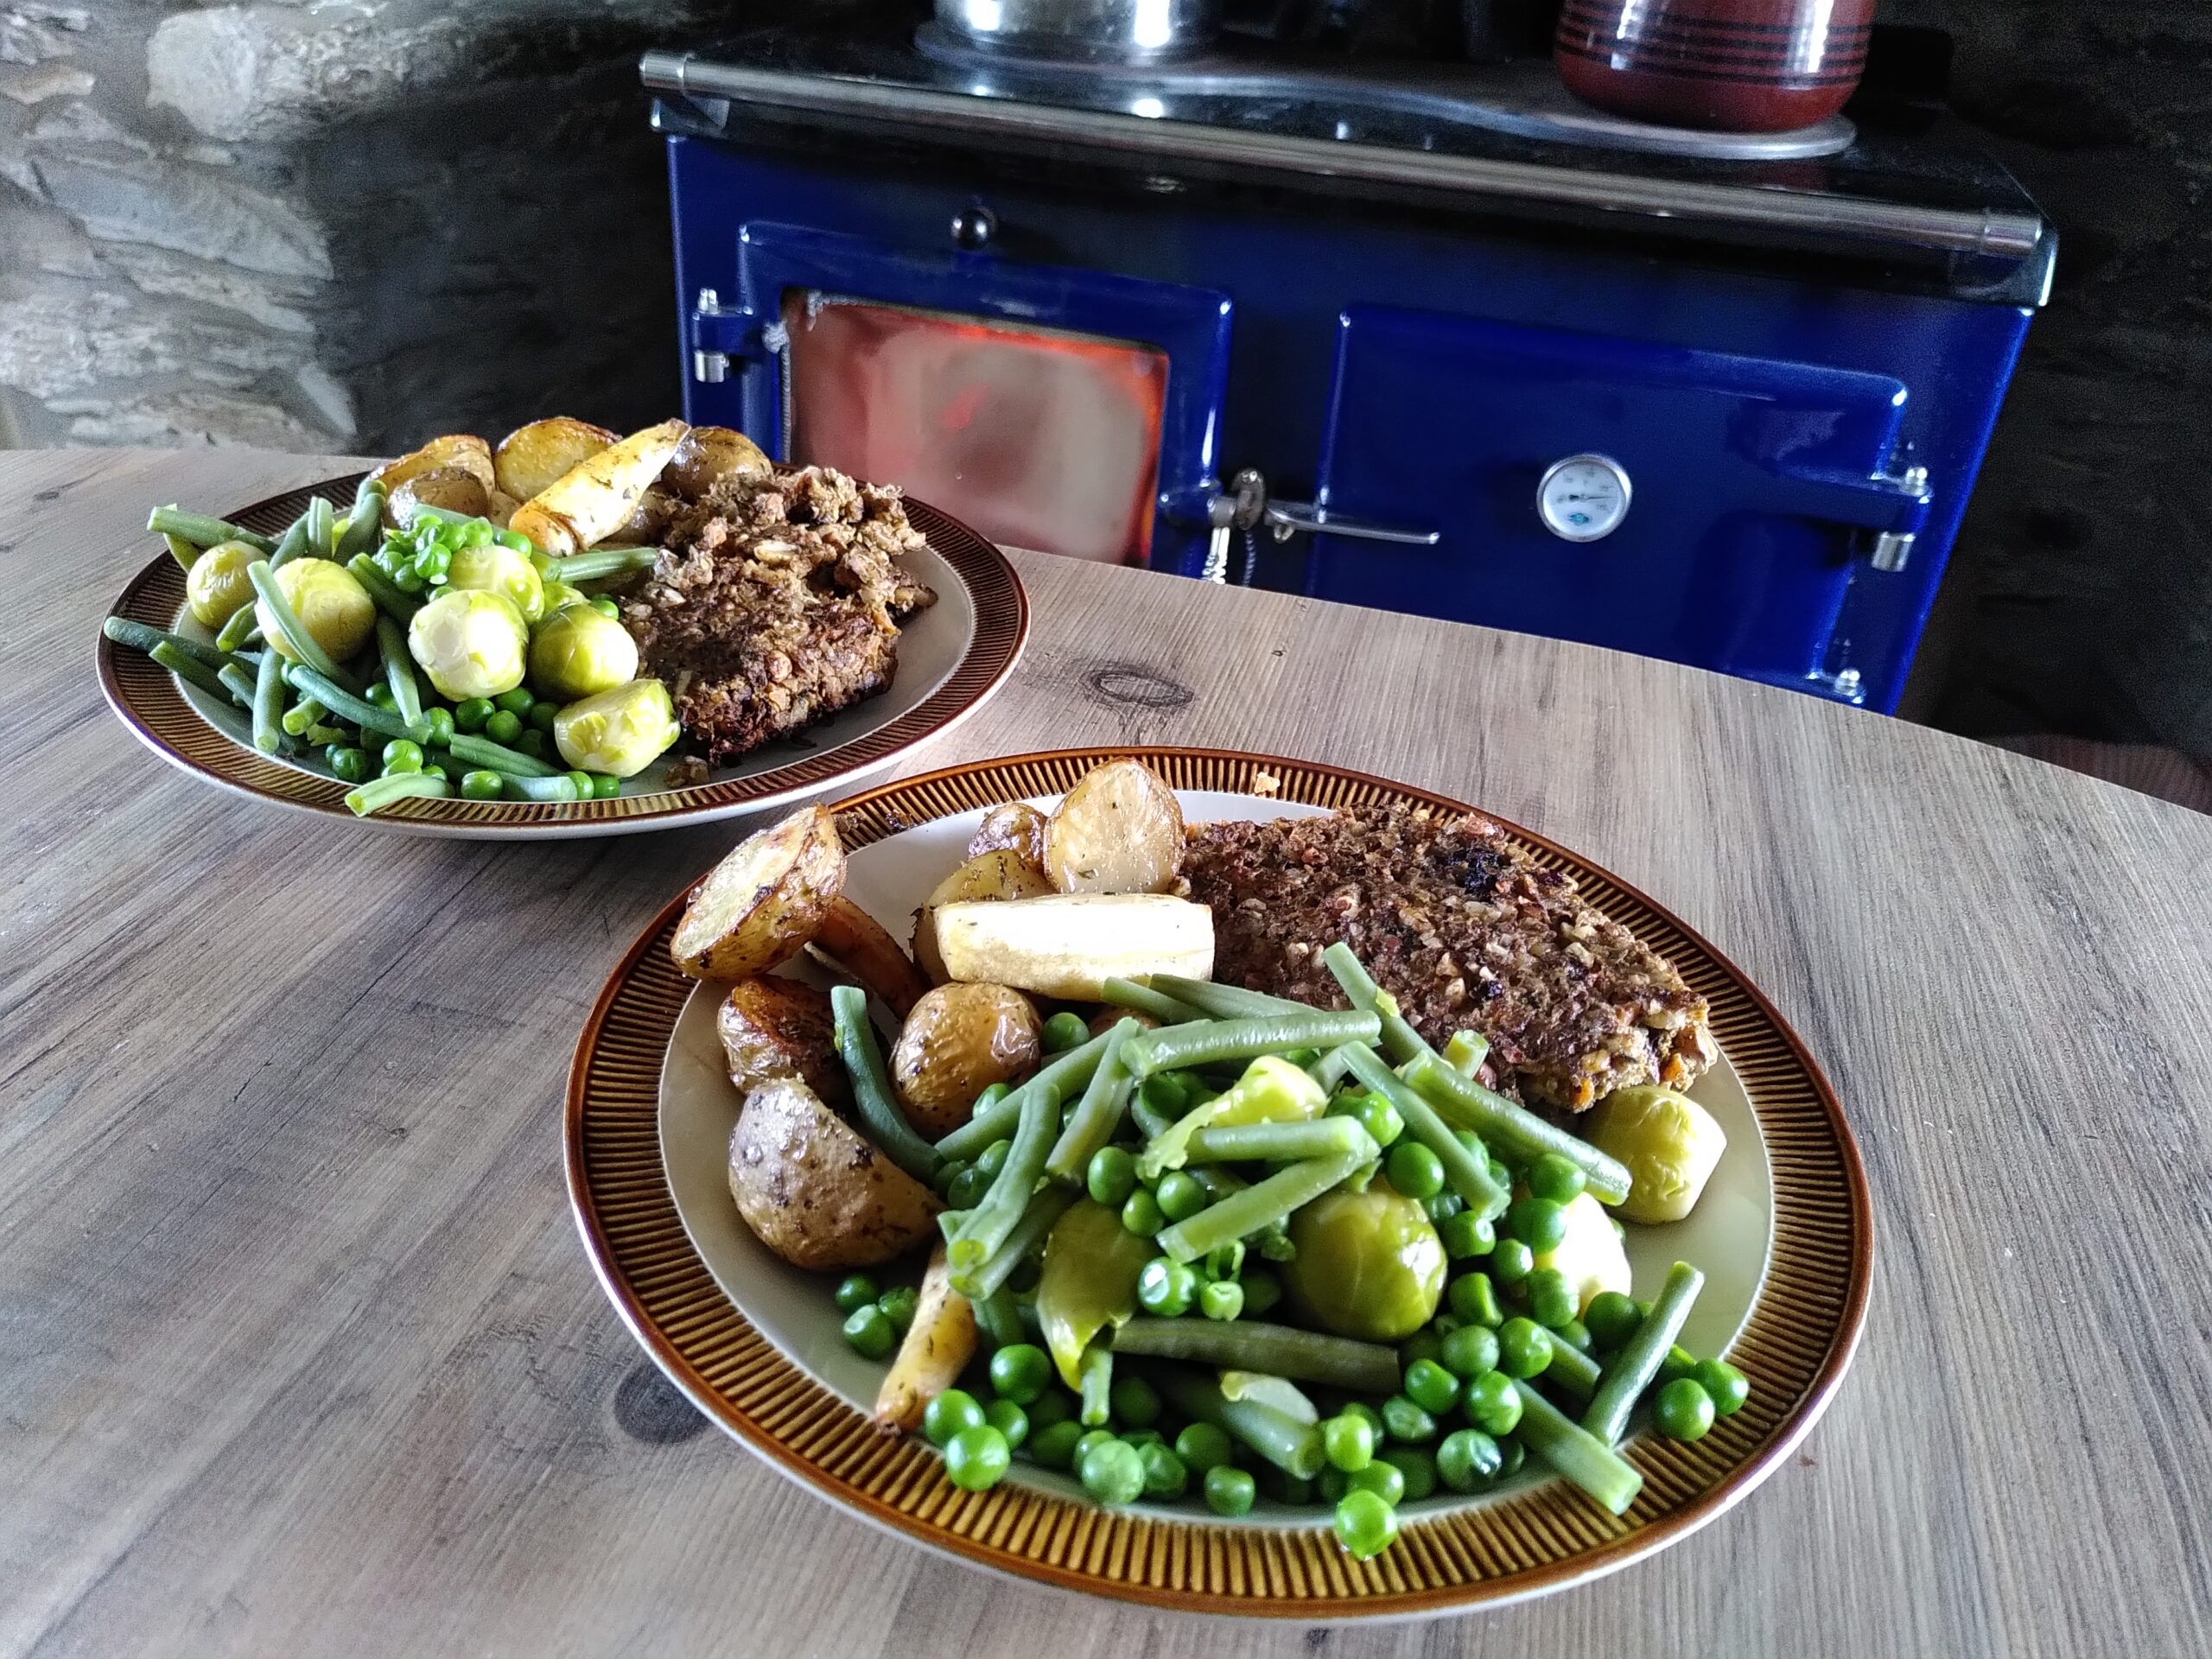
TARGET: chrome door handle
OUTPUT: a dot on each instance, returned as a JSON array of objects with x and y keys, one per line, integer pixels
[{"x": 1287, "y": 518}]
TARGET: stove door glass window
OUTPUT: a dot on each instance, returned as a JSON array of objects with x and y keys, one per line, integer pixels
[{"x": 1038, "y": 437}]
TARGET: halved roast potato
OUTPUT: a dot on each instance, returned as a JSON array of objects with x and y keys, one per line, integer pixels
[
  {"x": 532, "y": 457},
  {"x": 957, "y": 1042},
  {"x": 709, "y": 454},
  {"x": 773, "y": 1027},
  {"x": 588, "y": 502},
  {"x": 453, "y": 489},
  {"x": 1120, "y": 829},
  {"x": 1004, "y": 873},
  {"x": 1016, "y": 827},
  {"x": 648, "y": 521},
  {"x": 470, "y": 454},
  {"x": 760, "y": 905},
  {"x": 814, "y": 1191}
]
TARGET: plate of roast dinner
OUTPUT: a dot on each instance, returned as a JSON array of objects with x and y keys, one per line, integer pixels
[
  {"x": 1223, "y": 1182},
  {"x": 568, "y": 632}
]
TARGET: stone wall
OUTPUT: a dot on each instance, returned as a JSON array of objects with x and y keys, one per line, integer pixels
[
  {"x": 2080, "y": 599},
  {"x": 331, "y": 226}
]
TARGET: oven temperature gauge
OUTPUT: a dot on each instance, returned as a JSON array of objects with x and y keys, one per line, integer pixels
[{"x": 1583, "y": 497}]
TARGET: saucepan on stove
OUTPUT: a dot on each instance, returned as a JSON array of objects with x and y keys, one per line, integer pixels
[
  {"x": 1733, "y": 66},
  {"x": 1115, "y": 31}
]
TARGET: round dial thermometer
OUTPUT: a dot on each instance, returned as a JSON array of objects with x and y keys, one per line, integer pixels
[{"x": 1583, "y": 497}]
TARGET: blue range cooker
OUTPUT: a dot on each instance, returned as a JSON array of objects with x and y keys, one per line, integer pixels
[{"x": 1424, "y": 337}]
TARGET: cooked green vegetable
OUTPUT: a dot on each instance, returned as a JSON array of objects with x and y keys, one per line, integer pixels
[
  {"x": 620, "y": 731},
  {"x": 1214, "y": 1041},
  {"x": 486, "y": 567},
  {"x": 392, "y": 600},
  {"x": 509, "y": 763},
  {"x": 343, "y": 705},
  {"x": 1510, "y": 1126},
  {"x": 314, "y": 612},
  {"x": 217, "y": 584},
  {"x": 603, "y": 562},
  {"x": 560, "y": 787},
  {"x": 1277, "y": 1350},
  {"x": 1633, "y": 1367},
  {"x": 1583, "y": 1458},
  {"x": 1369, "y": 1266},
  {"x": 996, "y": 1122},
  {"x": 1291, "y": 1446},
  {"x": 269, "y": 704},
  {"x": 471, "y": 643},
  {"x": 400, "y": 785},
  {"x": 1091, "y": 1267},
  {"x": 1246, "y": 1211},
  {"x": 887, "y": 1126},
  {"x": 1399, "y": 1040},
  {"x": 1098, "y": 1114},
  {"x": 399, "y": 671},
  {"x": 1139, "y": 999},
  {"x": 359, "y": 533},
  {"x": 1271, "y": 1091},
  {"x": 1021, "y": 1245},
  {"x": 140, "y": 636},
  {"x": 1221, "y": 1001},
  {"x": 203, "y": 532},
  {"x": 1469, "y": 1176},
  {"x": 1325, "y": 1137},
  {"x": 578, "y": 652}
]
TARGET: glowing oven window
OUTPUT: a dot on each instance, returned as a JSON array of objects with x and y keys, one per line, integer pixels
[{"x": 1036, "y": 437}]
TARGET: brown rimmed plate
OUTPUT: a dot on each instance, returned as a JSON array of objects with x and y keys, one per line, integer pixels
[
  {"x": 1784, "y": 1233},
  {"x": 951, "y": 657}
]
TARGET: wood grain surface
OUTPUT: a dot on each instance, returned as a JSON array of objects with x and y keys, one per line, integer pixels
[{"x": 299, "y": 1353}]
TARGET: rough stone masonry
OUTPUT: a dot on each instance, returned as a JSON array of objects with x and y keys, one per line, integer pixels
[{"x": 331, "y": 225}]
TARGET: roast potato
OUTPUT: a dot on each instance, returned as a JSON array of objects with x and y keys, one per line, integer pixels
[
  {"x": 1001, "y": 874},
  {"x": 585, "y": 505},
  {"x": 1017, "y": 827},
  {"x": 759, "y": 905},
  {"x": 711, "y": 453},
  {"x": 648, "y": 521},
  {"x": 859, "y": 943},
  {"x": 937, "y": 1347},
  {"x": 471, "y": 454},
  {"x": 775, "y": 1028},
  {"x": 1067, "y": 944},
  {"x": 532, "y": 457},
  {"x": 452, "y": 488},
  {"x": 501, "y": 510},
  {"x": 958, "y": 1041},
  {"x": 1118, "y": 831},
  {"x": 813, "y": 1191}
]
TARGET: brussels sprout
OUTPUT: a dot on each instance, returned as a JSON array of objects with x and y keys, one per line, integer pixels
[
  {"x": 1589, "y": 1253},
  {"x": 1368, "y": 1265},
  {"x": 471, "y": 643},
  {"x": 578, "y": 650},
  {"x": 620, "y": 731},
  {"x": 1669, "y": 1143},
  {"x": 489, "y": 568},
  {"x": 559, "y": 594},
  {"x": 330, "y": 602},
  {"x": 217, "y": 584}
]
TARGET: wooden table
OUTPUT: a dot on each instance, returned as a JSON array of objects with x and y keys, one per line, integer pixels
[{"x": 299, "y": 1353}]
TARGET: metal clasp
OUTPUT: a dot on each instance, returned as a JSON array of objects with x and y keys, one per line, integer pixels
[{"x": 1245, "y": 506}]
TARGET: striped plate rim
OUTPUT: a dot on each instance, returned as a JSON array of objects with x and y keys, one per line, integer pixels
[
  {"x": 1795, "y": 1343},
  {"x": 144, "y": 695}
]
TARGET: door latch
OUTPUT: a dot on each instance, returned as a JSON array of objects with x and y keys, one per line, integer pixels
[
  {"x": 721, "y": 334},
  {"x": 1245, "y": 506}
]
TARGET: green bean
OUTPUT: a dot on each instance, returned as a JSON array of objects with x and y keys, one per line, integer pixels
[
  {"x": 1587, "y": 1461},
  {"x": 383, "y": 791},
  {"x": 1291, "y": 1446},
  {"x": 1514, "y": 1131},
  {"x": 1094, "y": 1374},
  {"x": 880, "y": 1115},
  {"x": 1276, "y": 1349},
  {"x": 993, "y": 1220},
  {"x": 268, "y": 703},
  {"x": 289, "y": 626},
  {"x": 235, "y": 628},
  {"x": 190, "y": 668},
  {"x": 399, "y": 671},
  {"x": 343, "y": 705},
  {"x": 511, "y": 763},
  {"x": 325, "y": 735},
  {"x": 1098, "y": 1114},
  {"x": 239, "y": 683},
  {"x": 1180, "y": 1048},
  {"x": 1221, "y": 1001},
  {"x": 1465, "y": 1053},
  {"x": 182, "y": 551},
  {"x": 1633, "y": 1367},
  {"x": 1469, "y": 1175},
  {"x": 359, "y": 534},
  {"x": 140, "y": 636},
  {"x": 1142, "y": 999},
  {"x": 1331, "y": 1070},
  {"x": 604, "y": 561},
  {"x": 203, "y": 532},
  {"x": 560, "y": 788},
  {"x": 292, "y": 545},
  {"x": 1573, "y": 1369},
  {"x": 998, "y": 1318},
  {"x": 1047, "y": 1207},
  {"x": 1263, "y": 1202},
  {"x": 322, "y": 527},
  {"x": 1399, "y": 1040},
  {"x": 1280, "y": 1143},
  {"x": 392, "y": 600},
  {"x": 1066, "y": 1073},
  {"x": 303, "y": 713}
]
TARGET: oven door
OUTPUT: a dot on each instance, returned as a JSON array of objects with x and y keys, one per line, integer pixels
[
  {"x": 1713, "y": 509},
  {"x": 1049, "y": 408}
]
